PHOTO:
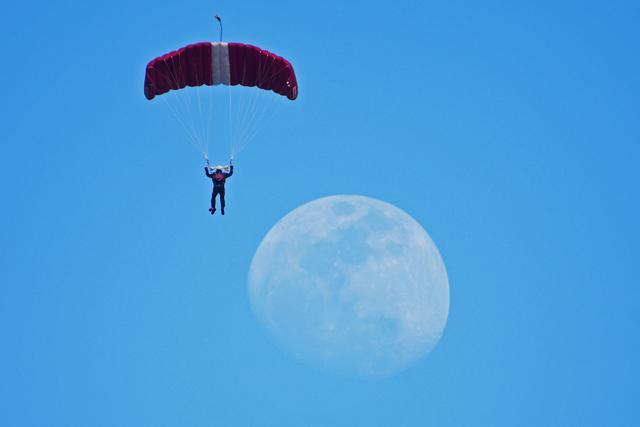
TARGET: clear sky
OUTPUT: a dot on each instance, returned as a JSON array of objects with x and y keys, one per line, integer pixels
[{"x": 508, "y": 129}]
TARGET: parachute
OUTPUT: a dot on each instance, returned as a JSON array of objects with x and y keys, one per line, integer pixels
[
  {"x": 191, "y": 68},
  {"x": 220, "y": 63}
]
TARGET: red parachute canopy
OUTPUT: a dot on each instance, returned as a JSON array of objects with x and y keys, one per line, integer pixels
[{"x": 220, "y": 63}]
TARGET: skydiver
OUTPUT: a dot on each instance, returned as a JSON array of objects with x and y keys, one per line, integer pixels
[{"x": 219, "y": 176}]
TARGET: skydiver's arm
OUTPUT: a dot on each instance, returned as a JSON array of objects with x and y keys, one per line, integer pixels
[
  {"x": 206, "y": 171},
  {"x": 230, "y": 171}
]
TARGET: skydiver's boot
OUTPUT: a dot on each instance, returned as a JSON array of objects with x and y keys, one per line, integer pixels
[
  {"x": 212, "y": 210},
  {"x": 222, "y": 211}
]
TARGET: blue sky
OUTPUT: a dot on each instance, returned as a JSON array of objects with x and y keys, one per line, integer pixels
[{"x": 509, "y": 130}]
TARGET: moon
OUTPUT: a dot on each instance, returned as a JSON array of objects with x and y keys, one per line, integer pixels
[{"x": 352, "y": 285}]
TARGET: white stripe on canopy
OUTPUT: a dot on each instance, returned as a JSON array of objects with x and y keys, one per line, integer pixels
[{"x": 220, "y": 71}]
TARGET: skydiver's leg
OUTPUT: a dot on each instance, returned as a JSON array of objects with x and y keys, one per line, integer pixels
[
  {"x": 222, "y": 201},
  {"x": 213, "y": 202}
]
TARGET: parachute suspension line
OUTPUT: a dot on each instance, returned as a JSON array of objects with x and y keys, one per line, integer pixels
[
  {"x": 188, "y": 125},
  {"x": 210, "y": 125},
  {"x": 188, "y": 99},
  {"x": 191, "y": 137},
  {"x": 205, "y": 131},
  {"x": 240, "y": 112},
  {"x": 183, "y": 97},
  {"x": 232, "y": 152},
  {"x": 243, "y": 114},
  {"x": 265, "y": 114},
  {"x": 250, "y": 114},
  {"x": 258, "y": 107},
  {"x": 217, "y": 17},
  {"x": 185, "y": 116}
]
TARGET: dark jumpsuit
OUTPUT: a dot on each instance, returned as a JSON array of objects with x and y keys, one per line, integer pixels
[{"x": 218, "y": 179}]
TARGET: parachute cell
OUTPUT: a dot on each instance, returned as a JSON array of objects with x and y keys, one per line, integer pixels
[{"x": 214, "y": 63}]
